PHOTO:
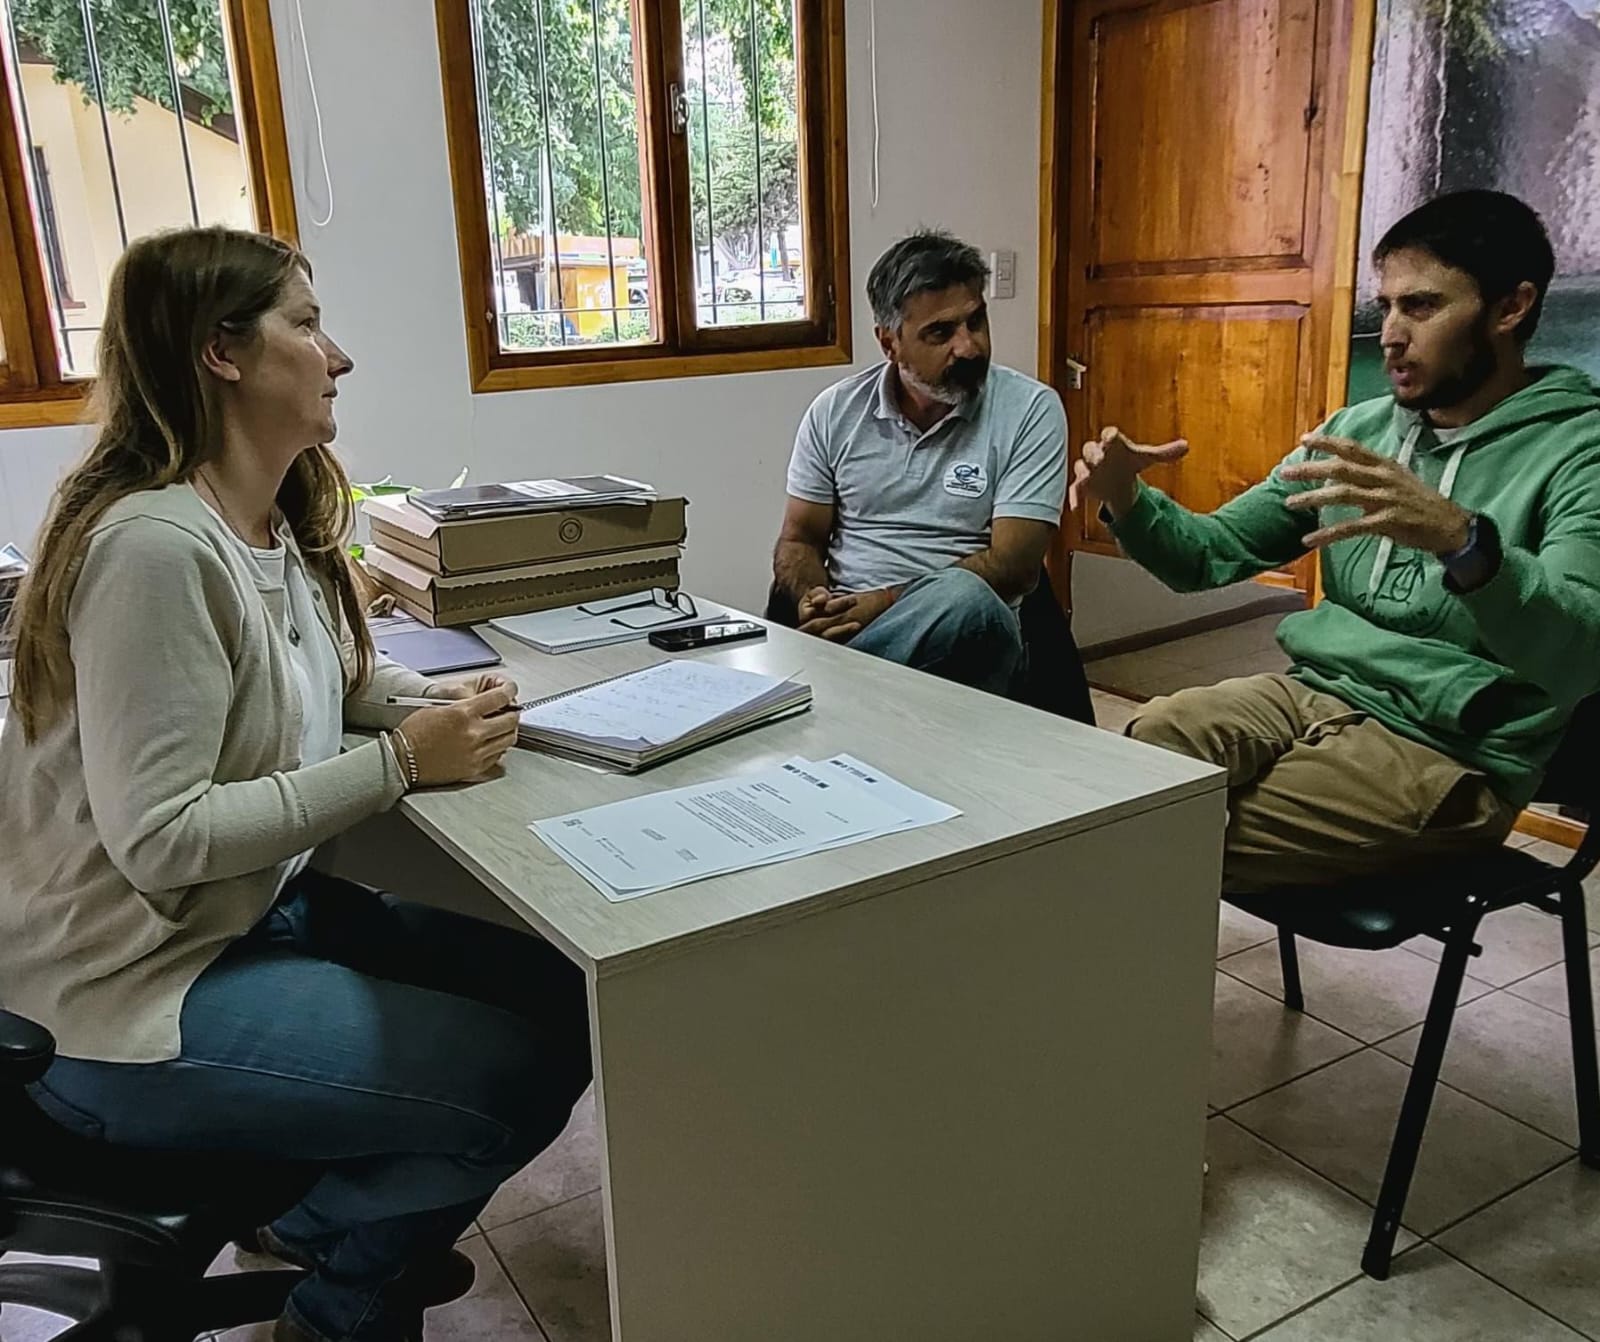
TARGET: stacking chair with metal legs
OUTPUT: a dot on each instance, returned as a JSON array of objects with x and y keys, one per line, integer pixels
[{"x": 1448, "y": 902}]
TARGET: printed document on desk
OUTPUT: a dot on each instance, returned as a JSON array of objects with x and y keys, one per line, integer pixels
[{"x": 653, "y": 843}]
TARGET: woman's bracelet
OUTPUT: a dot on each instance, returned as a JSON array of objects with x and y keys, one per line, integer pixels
[{"x": 406, "y": 757}]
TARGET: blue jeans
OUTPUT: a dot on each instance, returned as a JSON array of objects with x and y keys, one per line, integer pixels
[
  {"x": 423, "y": 1057},
  {"x": 950, "y": 624}
]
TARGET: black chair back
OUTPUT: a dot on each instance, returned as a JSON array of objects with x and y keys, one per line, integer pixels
[
  {"x": 1572, "y": 778},
  {"x": 1054, "y": 679}
]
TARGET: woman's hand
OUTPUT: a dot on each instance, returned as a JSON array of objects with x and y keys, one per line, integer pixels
[
  {"x": 462, "y": 741},
  {"x": 486, "y": 680}
]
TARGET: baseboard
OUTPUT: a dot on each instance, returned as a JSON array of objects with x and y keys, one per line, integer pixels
[
  {"x": 1276, "y": 603},
  {"x": 1552, "y": 828}
]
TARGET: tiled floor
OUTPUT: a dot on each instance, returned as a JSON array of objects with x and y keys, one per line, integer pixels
[
  {"x": 1502, "y": 1231},
  {"x": 1246, "y": 649}
]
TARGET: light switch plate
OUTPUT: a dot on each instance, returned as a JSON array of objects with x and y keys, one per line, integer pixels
[{"x": 1002, "y": 274}]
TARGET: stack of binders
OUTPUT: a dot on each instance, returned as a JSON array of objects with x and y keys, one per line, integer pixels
[{"x": 458, "y": 557}]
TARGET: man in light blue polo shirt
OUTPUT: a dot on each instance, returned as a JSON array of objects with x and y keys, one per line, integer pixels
[{"x": 923, "y": 494}]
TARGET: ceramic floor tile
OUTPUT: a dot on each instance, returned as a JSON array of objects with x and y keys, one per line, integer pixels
[
  {"x": 1111, "y": 711},
  {"x": 1118, "y": 671},
  {"x": 1142, "y": 675},
  {"x": 568, "y": 1168},
  {"x": 19, "y": 1324},
  {"x": 1429, "y": 1298},
  {"x": 233, "y": 1259},
  {"x": 1256, "y": 1044},
  {"x": 1275, "y": 1236},
  {"x": 1206, "y": 1331},
  {"x": 1516, "y": 942},
  {"x": 1340, "y": 1121},
  {"x": 491, "y": 1311},
  {"x": 1370, "y": 994},
  {"x": 1549, "y": 986},
  {"x": 1264, "y": 662},
  {"x": 255, "y": 1332},
  {"x": 1510, "y": 1054},
  {"x": 557, "y": 1261},
  {"x": 1228, "y": 644},
  {"x": 1237, "y": 931},
  {"x": 1542, "y": 1242},
  {"x": 1554, "y": 853}
]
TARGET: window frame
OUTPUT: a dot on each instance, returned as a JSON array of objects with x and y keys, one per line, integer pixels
[
  {"x": 33, "y": 391},
  {"x": 683, "y": 349}
]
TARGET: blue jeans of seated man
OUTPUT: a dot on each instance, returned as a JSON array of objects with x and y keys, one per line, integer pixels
[
  {"x": 423, "y": 1056},
  {"x": 951, "y": 624}
]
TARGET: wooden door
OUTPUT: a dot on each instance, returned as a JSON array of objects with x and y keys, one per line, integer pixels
[{"x": 1200, "y": 222}]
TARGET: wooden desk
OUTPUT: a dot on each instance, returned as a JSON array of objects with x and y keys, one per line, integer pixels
[{"x": 947, "y": 1084}]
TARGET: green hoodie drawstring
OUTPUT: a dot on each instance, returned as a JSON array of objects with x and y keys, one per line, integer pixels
[{"x": 1380, "y": 562}]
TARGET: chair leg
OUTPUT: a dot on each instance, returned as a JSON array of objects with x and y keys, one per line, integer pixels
[
  {"x": 1580, "y": 1008},
  {"x": 1289, "y": 957},
  {"x": 1418, "y": 1100}
]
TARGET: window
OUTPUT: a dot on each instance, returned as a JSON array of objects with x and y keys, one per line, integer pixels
[
  {"x": 118, "y": 118},
  {"x": 647, "y": 188}
]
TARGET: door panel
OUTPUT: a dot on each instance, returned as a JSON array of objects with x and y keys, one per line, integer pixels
[
  {"x": 1225, "y": 367},
  {"x": 1192, "y": 171},
  {"x": 1195, "y": 271}
]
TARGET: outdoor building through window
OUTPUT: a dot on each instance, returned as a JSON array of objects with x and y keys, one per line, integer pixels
[
  {"x": 119, "y": 118},
  {"x": 647, "y": 188}
]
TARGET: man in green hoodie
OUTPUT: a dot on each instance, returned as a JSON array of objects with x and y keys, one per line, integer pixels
[{"x": 1458, "y": 522}]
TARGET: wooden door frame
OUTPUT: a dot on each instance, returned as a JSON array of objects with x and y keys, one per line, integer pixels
[{"x": 1054, "y": 164}]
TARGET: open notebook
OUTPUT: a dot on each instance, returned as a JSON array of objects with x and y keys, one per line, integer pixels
[{"x": 641, "y": 719}]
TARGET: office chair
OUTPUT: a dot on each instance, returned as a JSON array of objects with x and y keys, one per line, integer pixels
[
  {"x": 1447, "y": 903},
  {"x": 153, "y": 1220},
  {"x": 1053, "y": 678}
]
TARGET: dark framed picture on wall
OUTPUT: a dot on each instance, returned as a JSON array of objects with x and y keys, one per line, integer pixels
[{"x": 1500, "y": 94}]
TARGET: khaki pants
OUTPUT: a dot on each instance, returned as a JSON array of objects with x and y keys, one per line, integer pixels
[{"x": 1318, "y": 792}]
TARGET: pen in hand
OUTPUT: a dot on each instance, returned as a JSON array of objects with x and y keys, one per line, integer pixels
[{"x": 417, "y": 701}]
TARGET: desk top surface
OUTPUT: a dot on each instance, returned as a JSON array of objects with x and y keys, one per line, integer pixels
[{"x": 1020, "y": 777}]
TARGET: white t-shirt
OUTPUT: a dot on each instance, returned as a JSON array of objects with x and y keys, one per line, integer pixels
[{"x": 318, "y": 674}]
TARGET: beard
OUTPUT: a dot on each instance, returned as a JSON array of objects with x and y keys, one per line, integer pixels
[
  {"x": 963, "y": 378},
  {"x": 1455, "y": 387}
]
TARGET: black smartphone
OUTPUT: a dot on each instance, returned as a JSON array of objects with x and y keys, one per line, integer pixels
[{"x": 704, "y": 635}]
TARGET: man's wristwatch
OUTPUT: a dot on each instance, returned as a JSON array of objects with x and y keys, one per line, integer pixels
[{"x": 1476, "y": 562}]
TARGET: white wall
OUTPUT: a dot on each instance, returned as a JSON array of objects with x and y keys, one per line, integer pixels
[{"x": 959, "y": 95}]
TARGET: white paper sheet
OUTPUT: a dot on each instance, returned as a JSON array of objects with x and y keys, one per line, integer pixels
[
  {"x": 669, "y": 838},
  {"x": 919, "y": 808},
  {"x": 653, "y": 843}
]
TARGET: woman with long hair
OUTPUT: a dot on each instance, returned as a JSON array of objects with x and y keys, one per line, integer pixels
[{"x": 189, "y": 647}]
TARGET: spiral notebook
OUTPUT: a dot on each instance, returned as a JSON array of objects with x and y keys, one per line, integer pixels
[{"x": 635, "y": 721}]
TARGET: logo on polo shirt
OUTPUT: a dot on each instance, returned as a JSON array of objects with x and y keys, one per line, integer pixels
[{"x": 967, "y": 479}]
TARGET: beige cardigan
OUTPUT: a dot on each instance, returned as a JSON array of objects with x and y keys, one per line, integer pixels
[{"x": 140, "y": 834}]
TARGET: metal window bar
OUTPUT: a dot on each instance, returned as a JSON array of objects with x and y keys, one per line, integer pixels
[
  {"x": 177, "y": 108},
  {"x": 96, "y": 73},
  {"x": 50, "y": 225},
  {"x": 486, "y": 137},
  {"x": 39, "y": 187},
  {"x": 761, "y": 198},
  {"x": 605, "y": 172},
  {"x": 705, "y": 136},
  {"x": 549, "y": 169}
]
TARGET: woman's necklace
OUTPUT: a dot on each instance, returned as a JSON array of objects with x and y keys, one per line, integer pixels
[{"x": 227, "y": 516}]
